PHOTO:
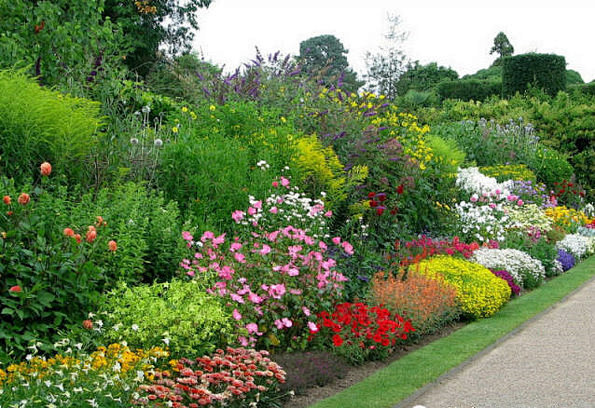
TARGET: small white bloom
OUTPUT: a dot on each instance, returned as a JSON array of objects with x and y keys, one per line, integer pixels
[
  {"x": 158, "y": 142},
  {"x": 134, "y": 327},
  {"x": 133, "y": 140}
]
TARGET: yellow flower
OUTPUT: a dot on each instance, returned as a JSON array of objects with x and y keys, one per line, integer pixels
[
  {"x": 175, "y": 129},
  {"x": 212, "y": 108},
  {"x": 184, "y": 109}
]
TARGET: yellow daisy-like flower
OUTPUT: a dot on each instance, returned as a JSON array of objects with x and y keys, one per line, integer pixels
[
  {"x": 184, "y": 109},
  {"x": 212, "y": 108},
  {"x": 175, "y": 129}
]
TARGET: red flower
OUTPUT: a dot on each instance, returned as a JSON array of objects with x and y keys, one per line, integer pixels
[
  {"x": 23, "y": 199},
  {"x": 91, "y": 235},
  {"x": 379, "y": 210},
  {"x": 394, "y": 211},
  {"x": 6, "y": 200},
  {"x": 45, "y": 168},
  {"x": 78, "y": 238},
  {"x": 373, "y": 203},
  {"x": 371, "y": 195},
  {"x": 337, "y": 340},
  {"x": 68, "y": 232},
  {"x": 112, "y": 245},
  {"x": 15, "y": 289},
  {"x": 88, "y": 324},
  {"x": 400, "y": 189},
  {"x": 382, "y": 197}
]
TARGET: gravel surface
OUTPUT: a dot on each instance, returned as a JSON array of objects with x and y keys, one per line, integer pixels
[{"x": 550, "y": 363}]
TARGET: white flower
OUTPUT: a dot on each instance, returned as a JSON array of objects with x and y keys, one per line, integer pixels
[
  {"x": 578, "y": 245},
  {"x": 158, "y": 142},
  {"x": 134, "y": 327},
  {"x": 519, "y": 264},
  {"x": 166, "y": 341},
  {"x": 133, "y": 140},
  {"x": 146, "y": 109}
]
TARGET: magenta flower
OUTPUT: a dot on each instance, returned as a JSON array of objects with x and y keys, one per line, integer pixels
[
  {"x": 206, "y": 236},
  {"x": 187, "y": 236},
  {"x": 274, "y": 210},
  {"x": 312, "y": 326},
  {"x": 284, "y": 182},
  {"x": 253, "y": 329},
  {"x": 236, "y": 315},
  {"x": 337, "y": 240},
  {"x": 265, "y": 250},
  {"x": 252, "y": 211},
  {"x": 277, "y": 291},
  {"x": 238, "y": 215}
]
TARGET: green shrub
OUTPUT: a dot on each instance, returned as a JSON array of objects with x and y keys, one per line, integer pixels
[
  {"x": 545, "y": 71},
  {"x": 479, "y": 292},
  {"x": 550, "y": 167},
  {"x": 178, "y": 314},
  {"x": 38, "y": 125},
  {"x": 469, "y": 89}
]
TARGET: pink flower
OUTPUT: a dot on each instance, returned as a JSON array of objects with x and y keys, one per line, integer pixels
[
  {"x": 273, "y": 210},
  {"x": 328, "y": 214},
  {"x": 347, "y": 247},
  {"x": 492, "y": 206},
  {"x": 258, "y": 205},
  {"x": 337, "y": 240},
  {"x": 296, "y": 292},
  {"x": 190, "y": 273},
  {"x": 207, "y": 235},
  {"x": 187, "y": 236},
  {"x": 243, "y": 341},
  {"x": 287, "y": 322},
  {"x": 277, "y": 291},
  {"x": 236, "y": 315},
  {"x": 219, "y": 240},
  {"x": 15, "y": 289},
  {"x": 312, "y": 326},
  {"x": 253, "y": 329},
  {"x": 252, "y": 211},
  {"x": 284, "y": 182},
  {"x": 520, "y": 202},
  {"x": 474, "y": 198},
  {"x": 254, "y": 298},
  {"x": 236, "y": 298},
  {"x": 306, "y": 310},
  {"x": 275, "y": 184},
  {"x": 265, "y": 250},
  {"x": 238, "y": 215},
  {"x": 322, "y": 246},
  {"x": 235, "y": 246},
  {"x": 239, "y": 257},
  {"x": 279, "y": 324}
]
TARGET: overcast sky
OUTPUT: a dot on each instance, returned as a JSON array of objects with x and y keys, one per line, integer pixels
[{"x": 455, "y": 33}]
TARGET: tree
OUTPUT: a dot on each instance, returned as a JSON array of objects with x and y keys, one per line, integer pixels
[
  {"x": 388, "y": 64},
  {"x": 323, "y": 58},
  {"x": 502, "y": 47},
  {"x": 151, "y": 24},
  {"x": 424, "y": 77}
]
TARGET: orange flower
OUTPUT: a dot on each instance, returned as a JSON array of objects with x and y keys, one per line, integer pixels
[
  {"x": 78, "y": 238},
  {"x": 91, "y": 235},
  {"x": 46, "y": 169},
  {"x": 15, "y": 289},
  {"x": 112, "y": 245},
  {"x": 68, "y": 232},
  {"x": 6, "y": 200},
  {"x": 100, "y": 221},
  {"x": 87, "y": 324},
  {"x": 91, "y": 228},
  {"x": 23, "y": 199}
]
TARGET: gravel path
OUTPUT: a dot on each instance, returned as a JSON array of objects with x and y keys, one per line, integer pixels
[{"x": 550, "y": 363}]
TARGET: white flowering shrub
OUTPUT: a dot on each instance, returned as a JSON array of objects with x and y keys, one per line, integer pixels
[
  {"x": 481, "y": 222},
  {"x": 525, "y": 270},
  {"x": 529, "y": 217},
  {"x": 472, "y": 181},
  {"x": 579, "y": 246}
]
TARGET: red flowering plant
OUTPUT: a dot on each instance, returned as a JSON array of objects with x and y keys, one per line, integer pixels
[
  {"x": 360, "y": 333},
  {"x": 569, "y": 193},
  {"x": 232, "y": 378},
  {"x": 273, "y": 280}
]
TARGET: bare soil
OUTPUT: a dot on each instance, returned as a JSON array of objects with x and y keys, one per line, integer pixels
[{"x": 359, "y": 373}]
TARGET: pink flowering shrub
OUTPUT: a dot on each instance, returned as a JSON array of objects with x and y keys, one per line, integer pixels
[{"x": 274, "y": 281}]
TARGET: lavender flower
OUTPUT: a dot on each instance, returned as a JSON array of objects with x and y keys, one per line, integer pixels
[{"x": 566, "y": 259}]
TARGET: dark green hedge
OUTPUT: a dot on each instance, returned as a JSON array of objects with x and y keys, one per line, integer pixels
[
  {"x": 546, "y": 71},
  {"x": 469, "y": 89},
  {"x": 587, "y": 89}
]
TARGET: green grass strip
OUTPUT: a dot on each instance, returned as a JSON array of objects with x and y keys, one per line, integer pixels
[{"x": 392, "y": 384}]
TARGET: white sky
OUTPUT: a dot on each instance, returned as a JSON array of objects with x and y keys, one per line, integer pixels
[{"x": 454, "y": 33}]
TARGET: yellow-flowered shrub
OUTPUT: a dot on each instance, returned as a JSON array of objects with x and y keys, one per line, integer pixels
[
  {"x": 480, "y": 293},
  {"x": 505, "y": 172},
  {"x": 568, "y": 218}
]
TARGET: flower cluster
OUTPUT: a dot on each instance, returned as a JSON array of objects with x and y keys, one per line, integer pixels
[
  {"x": 565, "y": 259},
  {"x": 533, "y": 193},
  {"x": 516, "y": 172},
  {"x": 524, "y": 269},
  {"x": 414, "y": 251},
  {"x": 273, "y": 280},
  {"x": 568, "y": 218},
  {"x": 530, "y": 219},
  {"x": 368, "y": 330},
  {"x": 516, "y": 289},
  {"x": 479, "y": 292},
  {"x": 569, "y": 192},
  {"x": 472, "y": 181},
  {"x": 482, "y": 222},
  {"x": 236, "y": 377},
  {"x": 107, "y": 375},
  {"x": 377, "y": 201},
  {"x": 578, "y": 245}
]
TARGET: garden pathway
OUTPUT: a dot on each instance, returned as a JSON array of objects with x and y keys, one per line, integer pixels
[{"x": 549, "y": 363}]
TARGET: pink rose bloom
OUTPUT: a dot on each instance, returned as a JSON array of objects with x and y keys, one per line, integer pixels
[
  {"x": 474, "y": 198},
  {"x": 253, "y": 328},
  {"x": 312, "y": 326},
  {"x": 236, "y": 298},
  {"x": 520, "y": 202},
  {"x": 498, "y": 191},
  {"x": 236, "y": 315},
  {"x": 492, "y": 206},
  {"x": 279, "y": 324},
  {"x": 219, "y": 240},
  {"x": 322, "y": 246},
  {"x": 286, "y": 322},
  {"x": 337, "y": 240},
  {"x": 254, "y": 298},
  {"x": 273, "y": 210},
  {"x": 187, "y": 236},
  {"x": 238, "y": 215}
]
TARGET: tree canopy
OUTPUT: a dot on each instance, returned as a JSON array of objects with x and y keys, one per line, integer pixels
[{"x": 502, "y": 47}]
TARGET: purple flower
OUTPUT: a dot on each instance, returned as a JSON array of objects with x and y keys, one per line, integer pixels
[
  {"x": 566, "y": 259},
  {"x": 508, "y": 278}
]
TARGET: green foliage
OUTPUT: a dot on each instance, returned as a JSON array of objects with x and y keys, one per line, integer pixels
[
  {"x": 424, "y": 77},
  {"x": 493, "y": 73},
  {"x": 502, "y": 47},
  {"x": 192, "y": 322},
  {"x": 544, "y": 71},
  {"x": 61, "y": 42},
  {"x": 211, "y": 166},
  {"x": 38, "y": 125},
  {"x": 479, "y": 292},
  {"x": 550, "y": 167},
  {"x": 469, "y": 89},
  {"x": 586, "y": 89},
  {"x": 573, "y": 77},
  {"x": 323, "y": 58},
  {"x": 59, "y": 279}
]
